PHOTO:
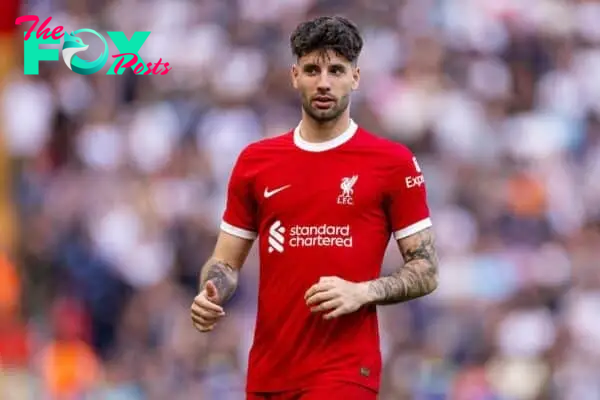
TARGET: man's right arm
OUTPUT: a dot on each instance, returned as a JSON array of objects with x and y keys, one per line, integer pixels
[
  {"x": 223, "y": 267},
  {"x": 237, "y": 234}
]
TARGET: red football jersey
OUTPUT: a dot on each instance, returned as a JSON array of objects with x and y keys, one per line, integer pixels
[{"x": 320, "y": 209}]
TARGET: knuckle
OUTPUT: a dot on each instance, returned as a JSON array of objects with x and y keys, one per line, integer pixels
[
  {"x": 201, "y": 312},
  {"x": 199, "y": 298}
]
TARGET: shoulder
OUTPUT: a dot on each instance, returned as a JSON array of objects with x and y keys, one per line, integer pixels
[
  {"x": 263, "y": 149},
  {"x": 389, "y": 152}
]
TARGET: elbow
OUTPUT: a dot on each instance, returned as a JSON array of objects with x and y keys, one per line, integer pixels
[{"x": 432, "y": 284}]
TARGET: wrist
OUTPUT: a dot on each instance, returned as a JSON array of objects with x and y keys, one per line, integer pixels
[{"x": 364, "y": 293}]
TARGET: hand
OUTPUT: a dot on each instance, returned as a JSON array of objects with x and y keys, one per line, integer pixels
[
  {"x": 335, "y": 295},
  {"x": 205, "y": 309}
]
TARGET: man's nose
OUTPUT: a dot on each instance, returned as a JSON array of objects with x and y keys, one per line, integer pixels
[{"x": 324, "y": 84}]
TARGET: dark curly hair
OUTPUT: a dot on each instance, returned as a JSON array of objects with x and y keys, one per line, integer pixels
[{"x": 327, "y": 33}]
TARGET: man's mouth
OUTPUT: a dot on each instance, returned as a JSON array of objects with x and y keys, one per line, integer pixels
[{"x": 323, "y": 102}]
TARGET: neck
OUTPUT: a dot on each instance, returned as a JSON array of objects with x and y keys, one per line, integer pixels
[{"x": 316, "y": 132}]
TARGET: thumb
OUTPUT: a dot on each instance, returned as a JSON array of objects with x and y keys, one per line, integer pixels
[{"x": 211, "y": 291}]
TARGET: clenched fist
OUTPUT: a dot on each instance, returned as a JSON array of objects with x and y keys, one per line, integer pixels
[{"x": 205, "y": 310}]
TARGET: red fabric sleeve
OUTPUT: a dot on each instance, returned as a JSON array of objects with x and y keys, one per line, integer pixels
[
  {"x": 239, "y": 218},
  {"x": 407, "y": 206}
]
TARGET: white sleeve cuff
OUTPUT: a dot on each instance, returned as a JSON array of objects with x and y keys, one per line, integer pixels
[
  {"x": 412, "y": 229},
  {"x": 239, "y": 232}
]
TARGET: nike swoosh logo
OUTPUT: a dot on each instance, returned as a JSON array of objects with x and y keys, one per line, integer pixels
[{"x": 274, "y": 191}]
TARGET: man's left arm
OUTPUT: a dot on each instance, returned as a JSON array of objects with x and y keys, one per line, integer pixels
[{"x": 416, "y": 278}]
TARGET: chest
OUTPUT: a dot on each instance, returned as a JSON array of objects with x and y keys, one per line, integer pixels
[{"x": 319, "y": 189}]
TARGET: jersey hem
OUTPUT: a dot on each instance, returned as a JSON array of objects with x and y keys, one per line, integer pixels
[
  {"x": 239, "y": 232},
  {"x": 412, "y": 229},
  {"x": 322, "y": 384}
]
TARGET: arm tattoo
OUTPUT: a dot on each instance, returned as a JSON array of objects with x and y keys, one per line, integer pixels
[
  {"x": 418, "y": 276},
  {"x": 223, "y": 275}
]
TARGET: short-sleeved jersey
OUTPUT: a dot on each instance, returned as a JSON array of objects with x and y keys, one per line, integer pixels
[{"x": 320, "y": 209}]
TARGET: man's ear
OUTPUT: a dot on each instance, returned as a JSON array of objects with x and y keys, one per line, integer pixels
[
  {"x": 294, "y": 72},
  {"x": 355, "y": 78}
]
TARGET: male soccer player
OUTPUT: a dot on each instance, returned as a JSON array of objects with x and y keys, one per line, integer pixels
[{"x": 324, "y": 200}]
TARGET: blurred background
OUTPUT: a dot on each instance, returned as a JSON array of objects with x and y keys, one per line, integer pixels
[{"x": 112, "y": 189}]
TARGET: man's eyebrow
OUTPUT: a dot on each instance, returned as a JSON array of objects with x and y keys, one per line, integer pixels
[{"x": 315, "y": 65}]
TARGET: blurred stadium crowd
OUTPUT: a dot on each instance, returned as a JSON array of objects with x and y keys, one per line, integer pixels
[{"x": 118, "y": 184}]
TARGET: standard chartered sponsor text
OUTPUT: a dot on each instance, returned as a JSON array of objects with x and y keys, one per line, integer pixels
[{"x": 320, "y": 235}]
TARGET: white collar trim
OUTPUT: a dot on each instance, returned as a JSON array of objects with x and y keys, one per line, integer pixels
[{"x": 327, "y": 145}]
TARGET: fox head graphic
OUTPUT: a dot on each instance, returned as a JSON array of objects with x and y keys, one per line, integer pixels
[{"x": 71, "y": 46}]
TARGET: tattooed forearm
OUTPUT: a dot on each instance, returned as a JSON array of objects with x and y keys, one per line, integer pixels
[
  {"x": 223, "y": 275},
  {"x": 418, "y": 277}
]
